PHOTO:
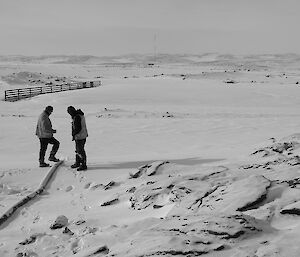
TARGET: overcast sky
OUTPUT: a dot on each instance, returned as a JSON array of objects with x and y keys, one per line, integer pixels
[{"x": 113, "y": 27}]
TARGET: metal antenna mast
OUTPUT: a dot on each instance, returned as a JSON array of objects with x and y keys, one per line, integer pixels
[{"x": 155, "y": 46}]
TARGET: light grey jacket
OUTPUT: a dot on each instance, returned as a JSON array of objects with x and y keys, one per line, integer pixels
[{"x": 44, "y": 126}]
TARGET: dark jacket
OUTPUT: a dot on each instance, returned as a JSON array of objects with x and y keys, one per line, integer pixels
[{"x": 79, "y": 129}]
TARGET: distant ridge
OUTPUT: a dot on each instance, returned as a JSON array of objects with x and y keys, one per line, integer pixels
[{"x": 150, "y": 59}]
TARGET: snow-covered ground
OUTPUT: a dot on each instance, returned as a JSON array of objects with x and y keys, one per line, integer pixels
[{"x": 179, "y": 161}]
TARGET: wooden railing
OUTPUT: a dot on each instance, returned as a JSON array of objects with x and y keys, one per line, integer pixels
[{"x": 27, "y": 92}]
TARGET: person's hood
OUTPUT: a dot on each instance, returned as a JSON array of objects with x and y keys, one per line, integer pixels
[
  {"x": 47, "y": 113},
  {"x": 79, "y": 112}
]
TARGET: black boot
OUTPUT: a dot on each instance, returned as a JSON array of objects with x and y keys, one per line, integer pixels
[
  {"x": 77, "y": 163},
  {"x": 83, "y": 162},
  {"x": 82, "y": 167},
  {"x": 43, "y": 164},
  {"x": 52, "y": 158}
]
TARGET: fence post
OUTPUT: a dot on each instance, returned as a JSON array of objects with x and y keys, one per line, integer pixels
[
  {"x": 5, "y": 97},
  {"x": 18, "y": 94}
]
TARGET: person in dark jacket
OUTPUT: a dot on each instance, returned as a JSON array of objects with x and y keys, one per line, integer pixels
[
  {"x": 79, "y": 135},
  {"x": 45, "y": 133}
]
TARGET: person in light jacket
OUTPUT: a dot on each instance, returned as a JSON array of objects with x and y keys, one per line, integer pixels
[
  {"x": 45, "y": 133},
  {"x": 79, "y": 135}
]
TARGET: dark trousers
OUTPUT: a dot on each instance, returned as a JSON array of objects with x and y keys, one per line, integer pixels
[
  {"x": 80, "y": 152},
  {"x": 43, "y": 147}
]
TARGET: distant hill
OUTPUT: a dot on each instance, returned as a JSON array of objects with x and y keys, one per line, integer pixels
[
  {"x": 148, "y": 59},
  {"x": 237, "y": 61}
]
